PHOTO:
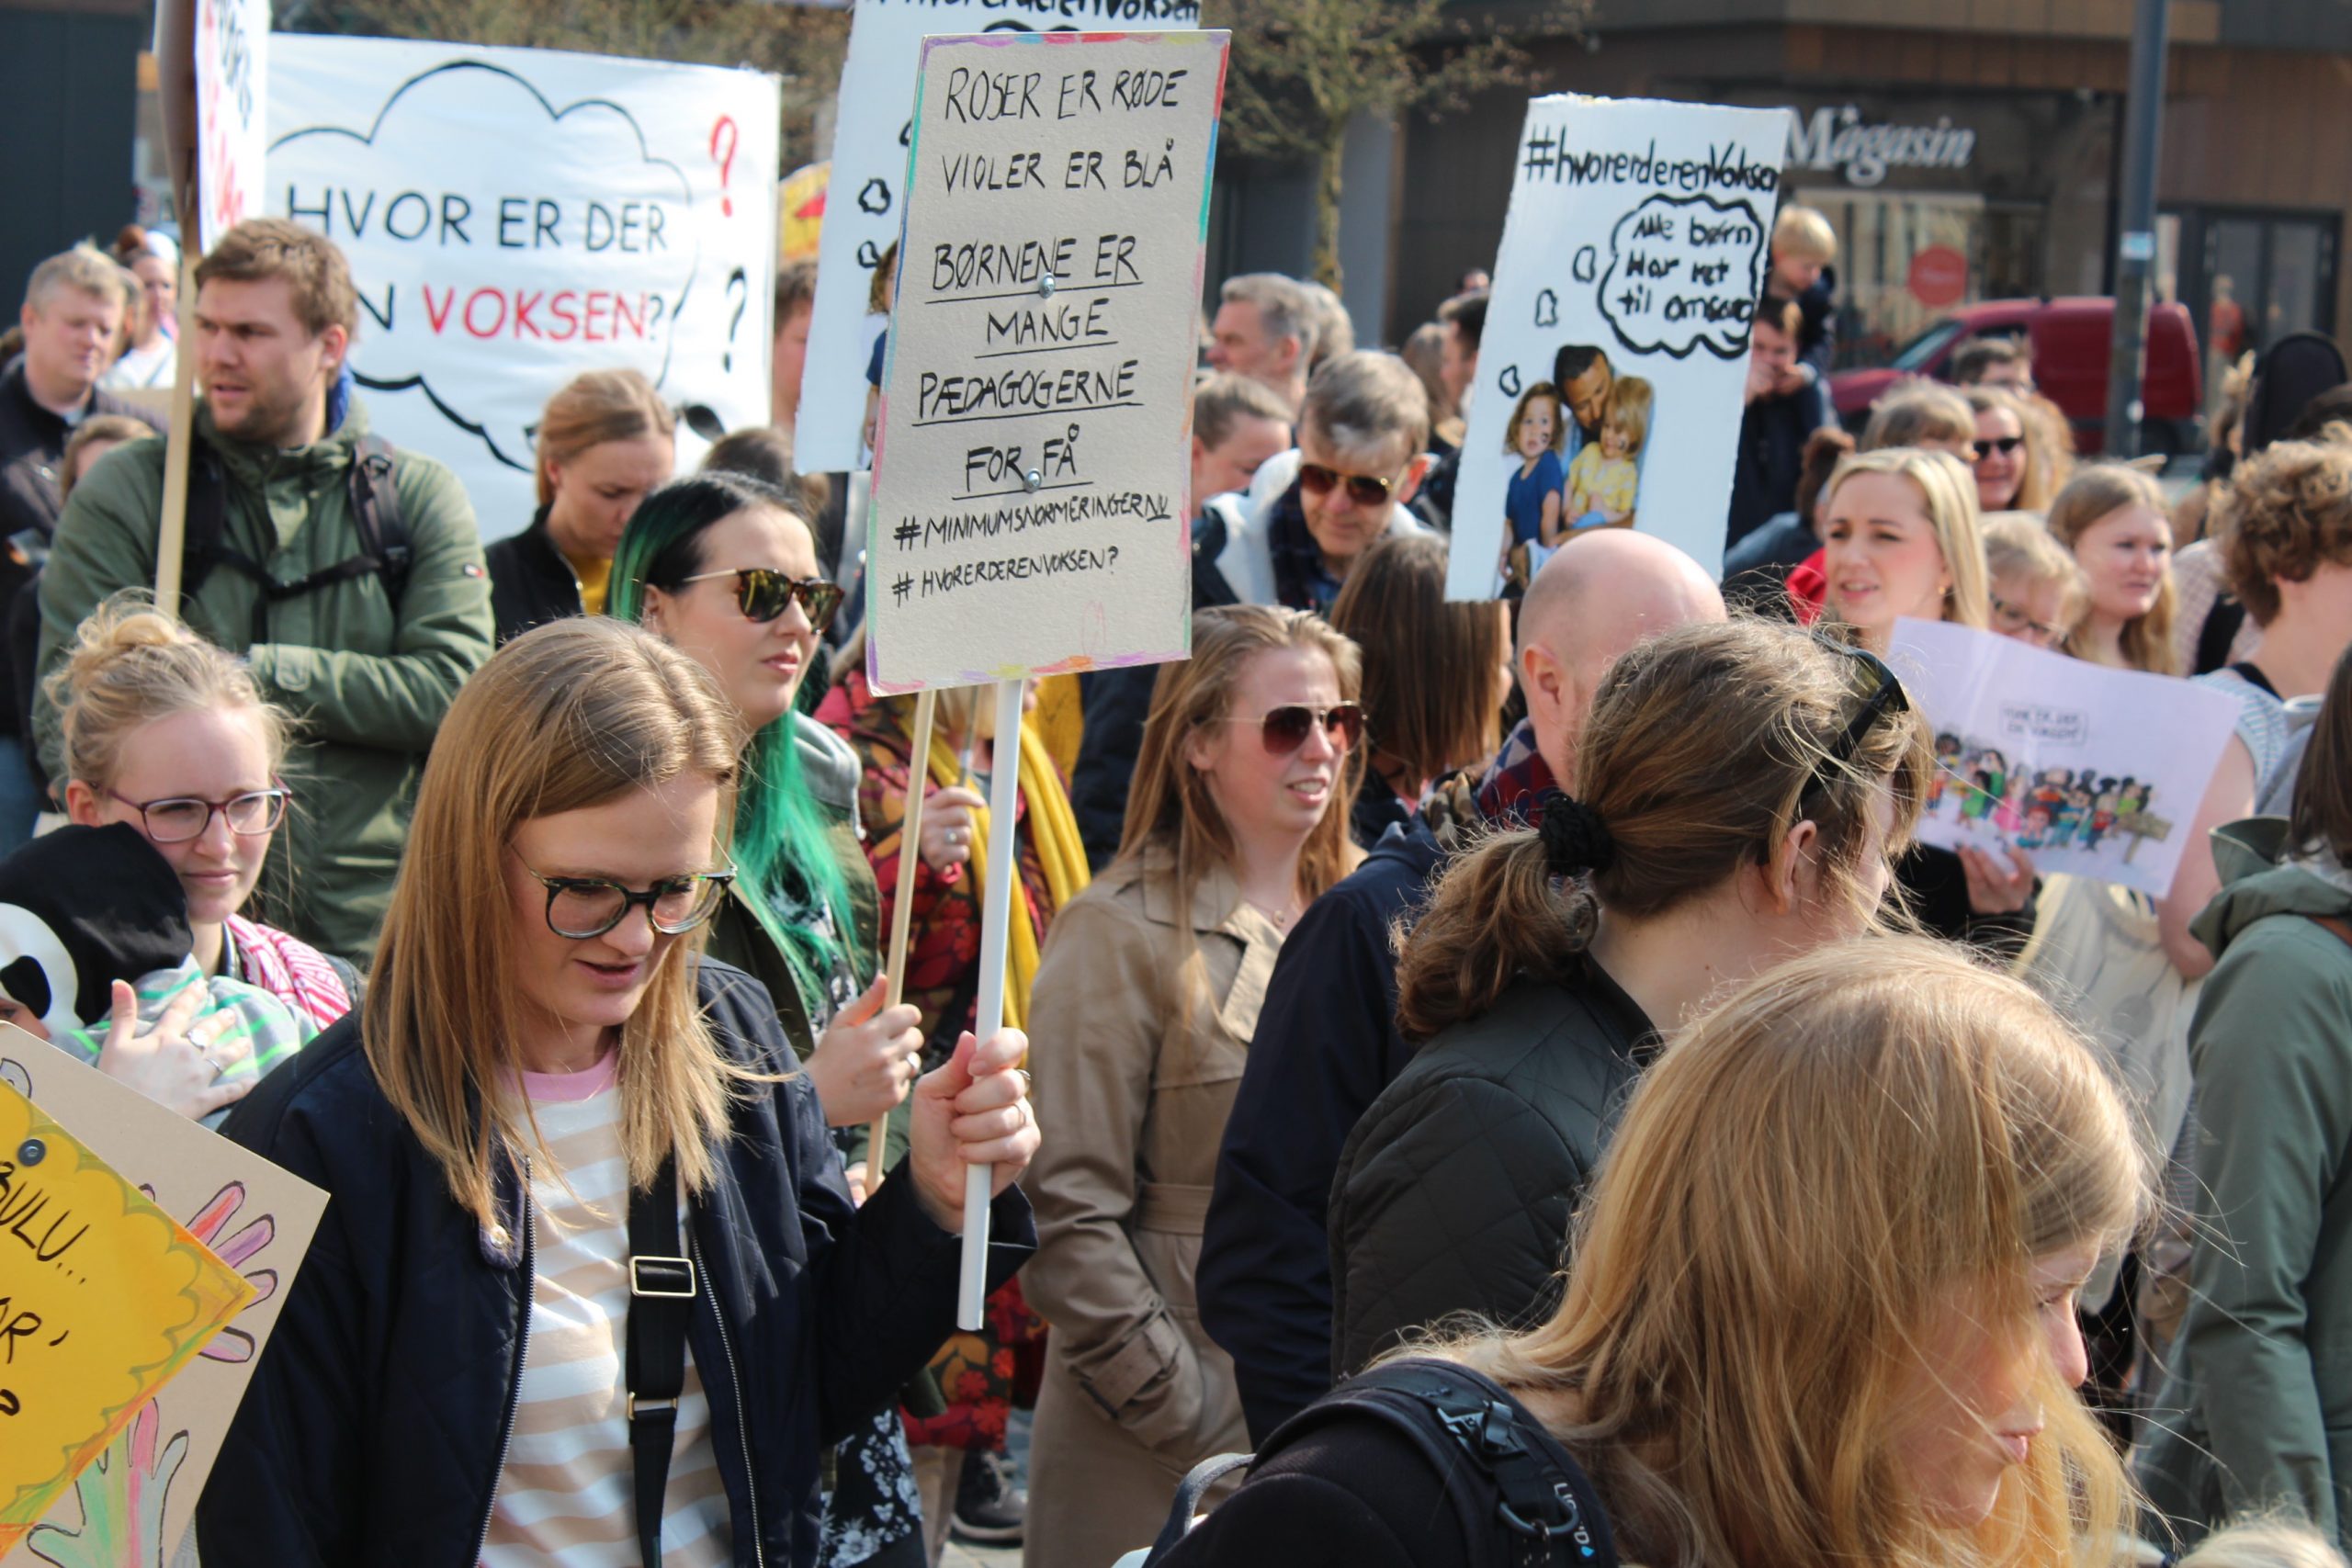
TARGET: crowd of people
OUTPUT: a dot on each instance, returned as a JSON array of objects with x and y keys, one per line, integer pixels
[{"x": 1511, "y": 1065}]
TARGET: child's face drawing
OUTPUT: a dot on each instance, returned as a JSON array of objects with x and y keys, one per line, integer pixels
[
  {"x": 1614, "y": 441},
  {"x": 1535, "y": 428}
]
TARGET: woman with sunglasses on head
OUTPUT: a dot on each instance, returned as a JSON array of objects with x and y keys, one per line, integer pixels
[
  {"x": 723, "y": 569},
  {"x": 169, "y": 734},
  {"x": 2008, "y": 476},
  {"x": 1147, "y": 1000},
  {"x": 1903, "y": 539},
  {"x": 1740, "y": 791},
  {"x": 591, "y": 1289},
  {"x": 1819, "y": 1311}
]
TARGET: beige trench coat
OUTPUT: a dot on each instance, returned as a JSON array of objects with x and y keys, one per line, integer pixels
[{"x": 1132, "y": 1093}]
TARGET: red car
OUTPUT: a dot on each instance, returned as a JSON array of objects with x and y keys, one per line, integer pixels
[{"x": 2070, "y": 339}]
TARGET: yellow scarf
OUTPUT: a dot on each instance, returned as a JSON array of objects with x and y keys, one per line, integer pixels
[{"x": 1053, "y": 829}]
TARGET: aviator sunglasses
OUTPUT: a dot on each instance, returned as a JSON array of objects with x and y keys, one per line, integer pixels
[
  {"x": 762, "y": 594},
  {"x": 1285, "y": 729},
  {"x": 2004, "y": 445},
  {"x": 1365, "y": 489}
]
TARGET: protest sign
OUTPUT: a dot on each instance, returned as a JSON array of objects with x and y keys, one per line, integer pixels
[
  {"x": 1637, "y": 241},
  {"x": 870, "y": 167},
  {"x": 146, "y": 1461},
  {"x": 1029, "y": 512},
  {"x": 231, "y": 69},
  {"x": 2091, "y": 770},
  {"x": 514, "y": 216}
]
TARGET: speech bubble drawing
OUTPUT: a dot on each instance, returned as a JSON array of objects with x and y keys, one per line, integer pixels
[
  {"x": 501, "y": 244},
  {"x": 2038, "y": 721},
  {"x": 1684, "y": 272}
]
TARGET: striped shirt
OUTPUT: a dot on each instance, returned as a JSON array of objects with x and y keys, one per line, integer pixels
[{"x": 564, "y": 1496}]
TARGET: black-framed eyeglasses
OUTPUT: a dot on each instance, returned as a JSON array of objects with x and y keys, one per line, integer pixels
[
  {"x": 580, "y": 907},
  {"x": 2017, "y": 621},
  {"x": 1285, "y": 729},
  {"x": 1365, "y": 489},
  {"x": 762, "y": 594},
  {"x": 1882, "y": 692},
  {"x": 2004, "y": 445},
  {"x": 178, "y": 819}
]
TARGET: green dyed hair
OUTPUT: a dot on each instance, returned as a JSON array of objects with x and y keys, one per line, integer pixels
[{"x": 781, "y": 849}]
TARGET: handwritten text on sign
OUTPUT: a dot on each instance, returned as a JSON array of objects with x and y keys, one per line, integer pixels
[
  {"x": 868, "y": 204},
  {"x": 103, "y": 1297},
  {"x": 1635, "y": 246},
  {"x": 1030, "y": 507}
]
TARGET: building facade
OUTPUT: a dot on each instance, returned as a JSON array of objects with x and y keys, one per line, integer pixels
[{"x": 1963, "y": 149}]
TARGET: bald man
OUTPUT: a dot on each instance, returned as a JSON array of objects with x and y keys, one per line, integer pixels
[
  {"x": 1611, "y": 589},
  {"x": 1326, "y": 1042}
]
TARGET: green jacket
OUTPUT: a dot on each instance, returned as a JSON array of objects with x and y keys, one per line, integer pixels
[
  {"x": 2257, "y": 1411},
  {"x": 368, "y": 689}
]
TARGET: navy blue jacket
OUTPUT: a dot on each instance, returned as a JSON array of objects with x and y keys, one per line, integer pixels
[
  {"x": 377, "y": 1422},
  {"x": 1327, "y": 1044}
]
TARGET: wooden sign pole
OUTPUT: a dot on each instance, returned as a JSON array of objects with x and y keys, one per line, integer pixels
[{"x": 910, "y": 850}]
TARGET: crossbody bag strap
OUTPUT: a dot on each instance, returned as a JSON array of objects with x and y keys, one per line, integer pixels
[
  {"x": 2335, "y": 926},
  {"x": 662, "y": 1288}
]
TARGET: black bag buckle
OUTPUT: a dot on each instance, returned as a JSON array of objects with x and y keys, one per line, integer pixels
[
  {"x": 1571, "y": 1523},
  {"x": 650, "y": 1274},
  {"x": 668, "y": 1407}
]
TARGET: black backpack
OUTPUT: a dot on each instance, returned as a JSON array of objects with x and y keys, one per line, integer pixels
[
  {"x": 375, "y": 508},
  {"x": 1528, "y": 1503}
]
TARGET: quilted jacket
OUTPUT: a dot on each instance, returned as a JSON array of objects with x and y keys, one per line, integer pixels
[{"x": 1453, "y": 1192}]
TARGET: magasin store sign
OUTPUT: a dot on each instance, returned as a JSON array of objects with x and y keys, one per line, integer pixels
[{"x": 1838, "y": 140}]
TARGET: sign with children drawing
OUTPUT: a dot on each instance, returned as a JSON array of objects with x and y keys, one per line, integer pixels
[
  {"x": 141, "y": 1270},
  {"x": 1609, "y": 390},
  {"x": 2089, "y": 771}
]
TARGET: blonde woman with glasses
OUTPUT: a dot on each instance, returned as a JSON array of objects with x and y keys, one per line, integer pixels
[{"x": 592, "y": 1288}]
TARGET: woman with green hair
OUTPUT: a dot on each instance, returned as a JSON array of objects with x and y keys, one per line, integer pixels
[{"x": 724, "y": 570}]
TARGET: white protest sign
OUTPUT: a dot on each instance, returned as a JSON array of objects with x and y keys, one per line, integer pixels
[
  {"x": 514, "y": 216},
  {"x": 1637, "y": 241},
  {"x": 232, "y": 108},
  {"x": 2090, "y": 770},
  {"x": 1029, "y": 512},
  {"x": 134, "y": 1503},
  {"x": 866, "y": 206}
]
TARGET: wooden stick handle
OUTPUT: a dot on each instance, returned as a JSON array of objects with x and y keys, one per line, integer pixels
[
  {"x": 171, "y": 540},
  {"x": 909, "y": 850}
]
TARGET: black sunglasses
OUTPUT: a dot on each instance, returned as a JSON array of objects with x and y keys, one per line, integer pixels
[
  {"x": 2004, "y": 445},
  {"x": 1285, "y": 729},
  {"x": 1363, "y": 488},
  {"x": 580, "y": 907},
  {"x": 762, "y": 594},
  {"x": 1882, "y": 692}
]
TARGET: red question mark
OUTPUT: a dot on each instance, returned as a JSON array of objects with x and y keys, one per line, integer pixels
[{"x": 725, "y": 129}]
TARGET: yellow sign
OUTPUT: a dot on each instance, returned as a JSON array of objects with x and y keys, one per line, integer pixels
[
  {"x": 800, "y": 212},
  {"x": 104, "y": 1297}
]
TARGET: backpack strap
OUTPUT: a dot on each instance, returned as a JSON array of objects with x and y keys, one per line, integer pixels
[
  {"x": 384, "y": 547},
  {"x": 2213, "y": 638},
  {"x": 376, "y": 510},
  {"x": 662, "y": 1288}
]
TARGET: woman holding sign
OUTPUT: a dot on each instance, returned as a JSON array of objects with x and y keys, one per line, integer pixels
[
  {"x": 724, "y": 570},
  {"x": 589, "y": 1241},
  {"x": 1902, "y": 539},
  {"x": 1147, "y": 1000}
]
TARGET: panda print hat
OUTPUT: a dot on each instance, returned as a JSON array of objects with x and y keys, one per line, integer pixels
[{"x": 82, "y": 908}]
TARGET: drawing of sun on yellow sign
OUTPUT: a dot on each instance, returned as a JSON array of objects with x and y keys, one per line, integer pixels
[{"x": 104, "y": 1297}]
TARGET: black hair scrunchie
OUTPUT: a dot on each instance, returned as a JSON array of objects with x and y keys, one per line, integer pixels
[{"x": 1575, "y": 838}]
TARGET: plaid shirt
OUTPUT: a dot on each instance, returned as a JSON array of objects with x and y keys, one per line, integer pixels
[{"x": 1515, "y": 782}]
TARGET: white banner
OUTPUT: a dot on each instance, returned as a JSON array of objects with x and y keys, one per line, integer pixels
[
  {"x": 865, "y": 208},
  {"x": 2090, "y": 770},
  {"x": 1616, "y": 344},
  {"x": 231, "y": 106},
  {"x": 516, "y": 217},
  {"x": 1029, "y": 491}
]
